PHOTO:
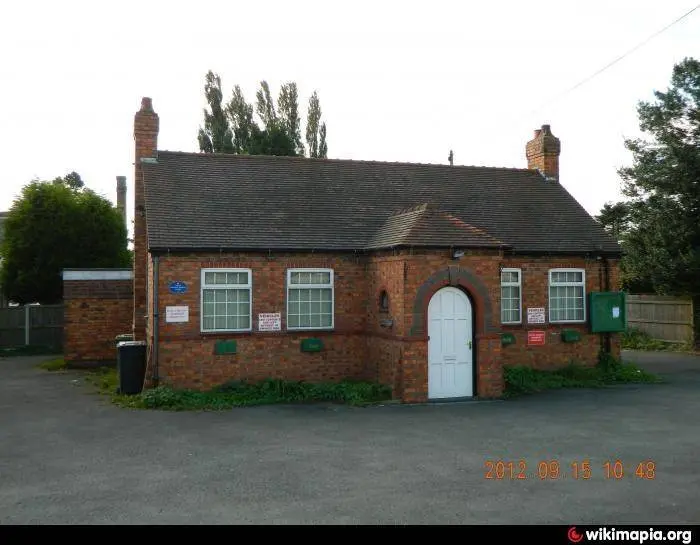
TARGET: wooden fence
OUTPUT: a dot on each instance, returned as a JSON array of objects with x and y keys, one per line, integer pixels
[
  {"x": 664, "y": 318},
  {"x": 31, "y": 325}
]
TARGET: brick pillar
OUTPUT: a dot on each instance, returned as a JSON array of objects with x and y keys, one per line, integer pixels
[
  {"x": 146, "y": 143},
  {"x": 543, "y": 153},
  {"x": 490, "y": 365}
]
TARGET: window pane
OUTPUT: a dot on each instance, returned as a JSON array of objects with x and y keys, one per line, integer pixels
[
  {"x": 237, "y": 278},
  {"x": 303, "y": 295},
  {"x": 304, "y": 320},
  {"x": 293, "y": 295},
  {"x": 509, "y": 277},
  {"x": 219, "y": 322},
  {"x": 315, "y": 320},
  {"x": 293, "y": 320},
  {"x": 208, "y": 296},
  {"x": 325, "y": 295},
  {"x": 304, "y": 308},
  {"x": 326, "y": 307},
  {"x": 208, "y": 323},
  {"x": 315, "y": 308},
  {"x": 326, "y": 320},
  {"x": 231, "y": 322},
  {"x": 208, "y": 309},
  {"x": 219, "y": 296},
  {"x": 244, "y": 296}
]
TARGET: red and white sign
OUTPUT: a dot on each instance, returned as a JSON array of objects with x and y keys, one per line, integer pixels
[
  {"x": 269, "y": 321},
  {"x": 535, "y": 337}
]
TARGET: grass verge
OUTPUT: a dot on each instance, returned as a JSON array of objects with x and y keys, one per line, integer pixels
[
  {"x": 58, "y": 364},
  {"x": 635, "y": 339},
  {"x": 525, "y": 380},
  {"x": 239, "y": 394}
]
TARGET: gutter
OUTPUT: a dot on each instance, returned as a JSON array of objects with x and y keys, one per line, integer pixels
[{"x": 156, "y": 319}]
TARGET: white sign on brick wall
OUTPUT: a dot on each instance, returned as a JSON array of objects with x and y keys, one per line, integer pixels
[
  {"x": 270, "y": 321},
  {"x": 177, "y": 314},
  {"x": 535, "y": 315}
]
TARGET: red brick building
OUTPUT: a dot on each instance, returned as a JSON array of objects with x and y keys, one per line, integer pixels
[{"x": 428, "y": 278}]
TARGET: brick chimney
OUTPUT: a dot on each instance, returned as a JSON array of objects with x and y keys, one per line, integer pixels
[
  {"x": 121, "y": 197},
  {"x": 543, "y": 153},
  {"x": 146, "y": 143}
]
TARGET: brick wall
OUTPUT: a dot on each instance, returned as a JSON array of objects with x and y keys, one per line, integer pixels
[
  {"x": 360, "y": 347},
  {"x": 186, "y": 355},
  {"x": 385, "y": 345},
  {"x": 556, "y": 352},
  {"x": 95, "y": 312}
]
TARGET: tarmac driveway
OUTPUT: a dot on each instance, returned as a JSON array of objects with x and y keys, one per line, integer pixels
[{"x": 68, "y": 457}]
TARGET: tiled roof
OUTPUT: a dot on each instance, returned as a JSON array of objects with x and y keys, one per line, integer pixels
[
  {"x": 236, "y": 202},
  {"x": 427, "y": 226}
]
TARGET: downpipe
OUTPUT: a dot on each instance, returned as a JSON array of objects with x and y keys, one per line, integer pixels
[{"x": 156, "y": 320}]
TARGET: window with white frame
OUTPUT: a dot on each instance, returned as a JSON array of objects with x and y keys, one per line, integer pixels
[
  {"x": 226, "y": 299},
  {"x": 511, "y": 296},
  {"x": 309, "y": 299},
  {"x": 567, "y": 295}
]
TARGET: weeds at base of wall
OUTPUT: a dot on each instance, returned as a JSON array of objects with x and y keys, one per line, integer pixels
[
  {"x": 58, "y": 364},
  {"x": 520, "y": 380},
  {"x": 240, "y": 394},
  {"x": 636, "y": 339}
]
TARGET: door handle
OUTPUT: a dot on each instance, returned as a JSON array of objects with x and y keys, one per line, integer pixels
[{"x": 469, "y": 345}]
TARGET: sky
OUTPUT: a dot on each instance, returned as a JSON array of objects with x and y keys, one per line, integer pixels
[{"x": 398, "y": 81}]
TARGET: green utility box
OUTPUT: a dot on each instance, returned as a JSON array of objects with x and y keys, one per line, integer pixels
[
  {"x": 507, "y": 338},
  {"x": 221, "y": 348},
  {"x": 607, "y": 311},
  {"x": 311, "y": 345},
  {"x": 570, "y": 335}
]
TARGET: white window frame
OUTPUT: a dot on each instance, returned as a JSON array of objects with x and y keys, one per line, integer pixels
[
  {"x": 564, "y": 285},
  {"x": 291, "y": 286},
  {"x": 519, "y": 285},
  {"x": 203, "y": 287}
]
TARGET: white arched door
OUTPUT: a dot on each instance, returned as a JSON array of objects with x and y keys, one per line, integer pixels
[{"x": 450, "y": 356}]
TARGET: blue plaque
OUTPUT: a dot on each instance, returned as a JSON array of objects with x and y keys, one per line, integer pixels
[{"x": 178, "y": 287}]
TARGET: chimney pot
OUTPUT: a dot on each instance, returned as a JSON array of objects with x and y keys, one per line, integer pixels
[{"x": 146, "y": 104}]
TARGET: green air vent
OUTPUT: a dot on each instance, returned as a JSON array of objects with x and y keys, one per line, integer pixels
[
  {"x": 570, "y": 335},
  {"x": 311, "y": 345},
  {"x": 507, "y": 338},
  {"x": 608, "y": 311},
  {"x": 224, "y": 347}
]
